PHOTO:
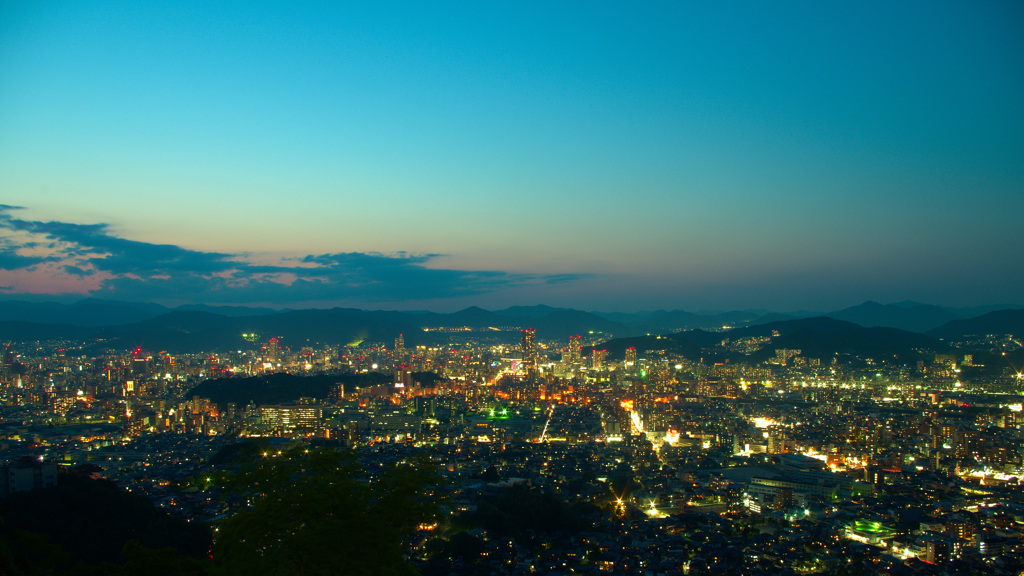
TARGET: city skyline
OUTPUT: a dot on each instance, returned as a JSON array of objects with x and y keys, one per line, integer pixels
[{"x": 784, "y": 157}]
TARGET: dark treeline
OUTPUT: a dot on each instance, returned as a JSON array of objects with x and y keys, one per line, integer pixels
[{"x": 284, "y": 388}]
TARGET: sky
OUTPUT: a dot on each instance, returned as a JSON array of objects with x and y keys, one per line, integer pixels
[{"x": 436, "y": 155}]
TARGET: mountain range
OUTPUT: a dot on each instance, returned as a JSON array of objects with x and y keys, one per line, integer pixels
[{"x": 196, "y": 328}]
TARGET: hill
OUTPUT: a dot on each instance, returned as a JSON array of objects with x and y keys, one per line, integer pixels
[
  {"x": 281, "y": 388},
  {"x": 1000, "y": 322},
  {"x": 661, "y": 321},
  {"x": 27, "y": 331},
  {"x": 88, "y": 312},
  {"x": 819, "y": 337},
  {"x": 909, "y": 316},
  {"x": 92, "y": 520},
  {"x": 882, "y": 344}
]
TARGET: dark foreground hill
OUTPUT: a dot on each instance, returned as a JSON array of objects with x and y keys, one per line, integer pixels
[{"x": 91, "y": 521}]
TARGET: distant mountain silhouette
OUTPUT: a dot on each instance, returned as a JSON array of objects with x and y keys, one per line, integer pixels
[
  {"x": 538, "y": 311},
  {"x": 180, "y": 331},
  {"x": 88, "y": 312},
  {"x": 819, "y": 337},
  {"x": 818, "y": 325},
  {"x": 208, "y": 328},
  {"x": 661, "y": 321},
  {"x": 878, "y": 342},
  {"x": 822, "y": 324},
  {"x": 616, "y": 348},
  {"x": 561, "y": 324},
  {"x": 999, "y": 322},
  {"x": 550, "y": 323},
  {"x": 21, "y": 331},
  {"x": 230, "y": 310},
  {"x": 975, "y": 311},
  {"x": 193, "y": 330},
  {"x": 910, "y": 316},
  {"x": 774, "y": 317},
  {"x": 679, "y": 320},
  {"x": 474, "y": 317},
  {"x": 97, "y": 312}
]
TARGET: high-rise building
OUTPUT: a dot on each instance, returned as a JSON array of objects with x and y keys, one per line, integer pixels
[
  {"x": 403, "y": 378},
  {"x": 399, "y": 355},
  {"x": 529, "y": 348},
  {"x": 272, "y": 350},
  {"x": 630, "y": 357},
  {"x": 575, "y": 349}
]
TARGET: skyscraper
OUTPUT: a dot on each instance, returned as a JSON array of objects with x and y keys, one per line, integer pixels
[
  {"x": 529, "y": 348},
  {"x": 399, "y": 355},
  {"x": 575, "y": 349},
  {"x": 272, "y": 349}
]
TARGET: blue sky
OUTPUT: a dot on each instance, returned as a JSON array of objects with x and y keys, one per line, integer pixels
[{"x": 790, "y": 155}]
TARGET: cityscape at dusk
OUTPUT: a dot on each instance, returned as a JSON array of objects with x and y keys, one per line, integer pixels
[{"x": 498, "y": 289}]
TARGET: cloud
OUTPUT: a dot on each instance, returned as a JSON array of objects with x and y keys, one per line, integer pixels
[
  {"x": 76, "y": 271},
  {"x": 11, "y": 259},
  {"x": 113, "y": 254},
  {"x": 564, "y": 278},
  {"x": 108, "y": 266}
]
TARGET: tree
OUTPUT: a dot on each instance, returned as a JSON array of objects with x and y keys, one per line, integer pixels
[
  {"x": 88, "y": 521},
  {"x": 24, "y": 553},
  {"x": 519, "y": 508},
  {"x": 315, "y": 511}
]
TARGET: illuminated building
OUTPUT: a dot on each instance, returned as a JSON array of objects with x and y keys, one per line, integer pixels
[
  {"x": 575, "y": 349},
  {"x": 630, "y": 357},
  {"x": 272, "y": 350},
  {"x": 869, "y": 532},
  {"x": 403, "y": 379},
  {"x": 767, "y": 489},
  {"x": 399, "y": 348},
  {"x": 529, "y": 348},
  {"x": 141, "y": 366},
  {"x": 289, "y": 417},
  {"x": 60, "y": 403}
]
